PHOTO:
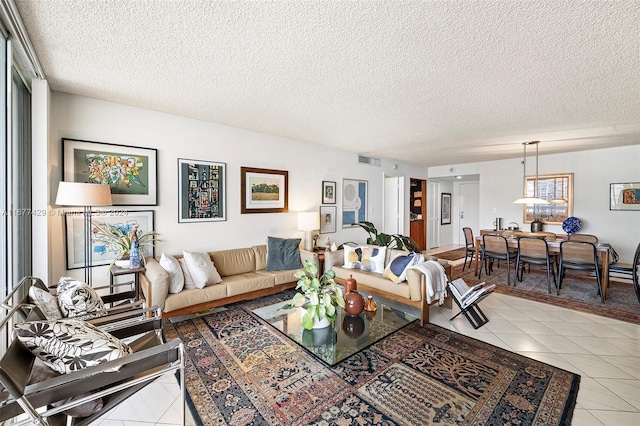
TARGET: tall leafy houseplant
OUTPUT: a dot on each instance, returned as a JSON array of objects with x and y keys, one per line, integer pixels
[
  {"x": 396, "y": 241},
  {"x": 119, "y": 239},
  {"x": 322, "y": 294}
]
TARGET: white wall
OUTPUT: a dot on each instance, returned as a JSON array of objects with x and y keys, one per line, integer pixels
[
  {"x": 501, "y": 183},
  {"x": 177, "y": 137}
]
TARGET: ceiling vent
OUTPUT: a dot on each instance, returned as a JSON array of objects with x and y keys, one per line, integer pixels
[{"x": 368, "y": 160}]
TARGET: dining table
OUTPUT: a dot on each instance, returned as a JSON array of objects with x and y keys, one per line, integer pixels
[{"x": 554, "y": 248}]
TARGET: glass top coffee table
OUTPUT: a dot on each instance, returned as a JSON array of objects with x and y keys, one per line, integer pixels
[{"x": 344, "y": 337}]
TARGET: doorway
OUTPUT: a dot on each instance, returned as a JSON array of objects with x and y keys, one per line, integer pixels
[
  {"x": 469, "y": 202},
  {"x": 393, "y": 219},
  {"x": 417, "y": 204},
  {"x": 433, "y": 215}
]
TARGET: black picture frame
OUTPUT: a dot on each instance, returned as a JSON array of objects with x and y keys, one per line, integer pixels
[
  {"x": 130, "y": 171},
  {"x": 328, "y": 192},
  {"x": 445, "y": 208}
]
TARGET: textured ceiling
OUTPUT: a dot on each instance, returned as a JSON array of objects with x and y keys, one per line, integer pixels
[{"x": 427, "y": 82}]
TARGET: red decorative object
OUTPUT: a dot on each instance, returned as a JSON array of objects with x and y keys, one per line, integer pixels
[
  {"x": 350, "y": 284},
  {"x": 353, "y": 303}
]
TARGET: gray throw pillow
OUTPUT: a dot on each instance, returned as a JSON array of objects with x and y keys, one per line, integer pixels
[{"x": 283, "y": 254}]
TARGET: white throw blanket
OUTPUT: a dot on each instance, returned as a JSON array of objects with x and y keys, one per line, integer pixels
[{"x": 435, "y": 279}]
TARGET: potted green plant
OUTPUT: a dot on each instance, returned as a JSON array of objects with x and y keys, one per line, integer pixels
[
  {"x": 322, "y": 296},
  {"x": 396, "y": 241},
  {"x": 119, "y": 237}
]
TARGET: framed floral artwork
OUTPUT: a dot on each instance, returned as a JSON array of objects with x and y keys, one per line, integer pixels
[{"x": 328, "y": 192}]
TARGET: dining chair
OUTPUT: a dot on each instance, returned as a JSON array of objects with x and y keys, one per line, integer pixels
[
  {"x": 535, "y": 251},
  {"x": 579, "y": 256},
  {"x": 495, "y": 247},
  {"x": 630, "y": 270},
  {"x": 583, "y": 237},
  {"x": 470, "y": 246}
]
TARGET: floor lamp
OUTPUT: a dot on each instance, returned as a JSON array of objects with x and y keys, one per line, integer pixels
[{"x": 86, "y": 195}]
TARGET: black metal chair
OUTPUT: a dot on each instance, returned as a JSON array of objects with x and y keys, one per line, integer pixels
[
  {"x": 495, "y": 247},
  {"x": 630, "y": 271},
  {"x": 579, "y": 256},
  {"x": 470, "y": 246},
  {"x": 535, "y": 251}
]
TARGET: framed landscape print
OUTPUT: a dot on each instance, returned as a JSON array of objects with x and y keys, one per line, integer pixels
[
  {"x": 550, "y": 187},
  {"x": 624, "y": 196},
  {"x": 201, "y": 191},
  {"x": 328, "y": 192},
  {"x": 354, "y": 202},
  {"x": 131, "y": 172},
  {"x": 264, "y": 190},
  {"x": 328, "y": 219},
  {"x": 102, "y": 252},
  {"x": 445, "y": 208}
]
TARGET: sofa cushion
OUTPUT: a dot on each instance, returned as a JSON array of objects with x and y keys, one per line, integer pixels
[
  {"x": 68, "y": 345},
  {"x": 202, "y": 270},
  {"x": 261, "y": 256},
  {"x": 176, "y": 276},
  {"x": 250, "y": 281},
  {"x": 187, "y": 298},
  {"x": 281, "y": 277},
  {"x": 234, "y": 261},
  {"x": 367, "y": 258},
  {"x": 283, "y": 254}
]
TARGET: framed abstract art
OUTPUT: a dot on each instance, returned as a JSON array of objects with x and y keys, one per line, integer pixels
[{"x": 201, "y": 191}]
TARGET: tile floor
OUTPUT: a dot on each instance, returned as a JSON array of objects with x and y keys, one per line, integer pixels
[{"x": 605, "y": 352}]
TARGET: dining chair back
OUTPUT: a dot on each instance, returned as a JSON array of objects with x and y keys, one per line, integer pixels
[
  {"x": 629, "y": 271},
  {"x": 535, "y": 251},
  {"x": 495, "y": 247},
  {"x": 583, "y": 237},
  {"x": 579, "y": 256},
  {"x": 470, "y": 249}
]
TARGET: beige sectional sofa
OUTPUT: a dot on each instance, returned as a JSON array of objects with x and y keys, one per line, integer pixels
[
  {"x": 410, "y": 292},
  {"x": 243, "y": 276}
]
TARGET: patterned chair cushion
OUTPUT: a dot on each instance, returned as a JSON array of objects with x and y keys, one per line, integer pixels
[
  {"x": 69, "y": 345},
  {"x": 77, "y": 299},
  {"x": 46, "y": 302}
]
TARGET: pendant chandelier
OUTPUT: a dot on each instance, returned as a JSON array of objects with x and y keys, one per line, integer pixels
[{"x": 527, "y": 199}]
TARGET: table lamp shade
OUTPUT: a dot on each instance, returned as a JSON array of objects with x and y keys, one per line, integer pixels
[
  {"x": 308, "y": 221},
  {"x": 83, "y": 194}
]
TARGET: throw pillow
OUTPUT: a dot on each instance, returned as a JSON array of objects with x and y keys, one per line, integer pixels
[
  {"x": 76, "y": 298},
  {"x": 68, "y": 345},
  {"x": 396, "y": 270},
  {"x": 46, "y": 302},
  {"x": 41, "y": 372},
  {"x": 188, "y": 281},
  {"x": 171, "y": 265},
  {"x": 201, "y": 268},
  {"x": 283, "y": 254},
  {"x": 366, "y": 258}
]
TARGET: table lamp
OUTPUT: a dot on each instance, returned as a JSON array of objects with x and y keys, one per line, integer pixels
[
  {"x": 307, "y": 222},
  {"x": 86, "y": 195}
]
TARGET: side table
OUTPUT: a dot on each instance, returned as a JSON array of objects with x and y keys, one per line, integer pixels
[
  {"x": 320, "y": 252},
  {"x": 116, "y": 271}
]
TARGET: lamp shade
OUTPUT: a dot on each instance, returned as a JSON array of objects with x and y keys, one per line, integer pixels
[
  {"x": 308, "y": 221},
  {"x": 81, "y": 194}
]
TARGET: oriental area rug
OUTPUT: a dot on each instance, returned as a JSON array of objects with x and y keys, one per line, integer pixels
[
  {"x": 578, "y": 292},
  {"x": 242, "y": 371}
]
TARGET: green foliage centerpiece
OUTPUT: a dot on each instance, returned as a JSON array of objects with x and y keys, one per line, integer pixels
[
  {"x": 322, "y": 295},
  {"x": 396, "y": 241}
]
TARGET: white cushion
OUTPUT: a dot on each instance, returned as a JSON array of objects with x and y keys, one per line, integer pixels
[
  {"x": 201, "y": 268},
  {"x": 46, "y": 302},
  {"x": 171, "y": 265},
  {"x": 69, "y": 345},
  {"x": 77, "y": 299},
  {"x": 188, "y": 281},
  {"x": 366, "y": 258}
]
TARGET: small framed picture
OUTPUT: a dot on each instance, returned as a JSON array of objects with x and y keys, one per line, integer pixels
[
  {"x": 445, "y": 206},
  {"x": 328, "y": 192},
  {"x": 328, "y": 219},
  {"x": 624, "y": 196}
]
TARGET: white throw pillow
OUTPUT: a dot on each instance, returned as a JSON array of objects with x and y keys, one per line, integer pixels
[
  {"x": 46, "y": 302},
  {"x": 171, "y": 265},
  {"x": 201, "y": 268},
  {"x": 188, "y": 281}
]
